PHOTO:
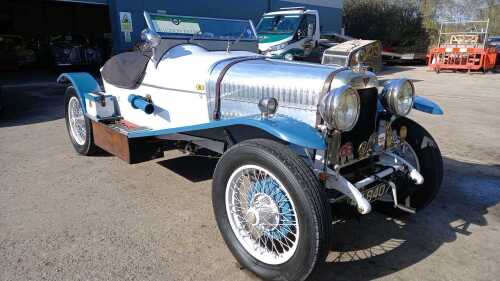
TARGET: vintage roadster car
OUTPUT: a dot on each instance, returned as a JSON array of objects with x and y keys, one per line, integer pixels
[{"x": 293, "y": 138}]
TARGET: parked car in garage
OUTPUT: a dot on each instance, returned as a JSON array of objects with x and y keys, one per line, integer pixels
[
  {"x": 14, "y": 52},
  {"x": 293, "y": 139},
  {"x": 74, "y": 50}
]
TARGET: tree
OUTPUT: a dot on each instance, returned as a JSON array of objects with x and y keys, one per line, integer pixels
[
  {"x": 414, "y": 24},
  {"x": 493, "y": 13},
  {"x": 395, "y": 23}
]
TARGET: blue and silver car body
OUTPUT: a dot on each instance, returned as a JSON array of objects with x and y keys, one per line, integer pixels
[
  {"x": 201, "y": 87},
  {"x": 201, "y": 92}
]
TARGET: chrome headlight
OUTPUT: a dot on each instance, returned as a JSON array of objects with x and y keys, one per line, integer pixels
[
  {"x": 398, "y": 96},
  {"x": 340, "y": 108}
]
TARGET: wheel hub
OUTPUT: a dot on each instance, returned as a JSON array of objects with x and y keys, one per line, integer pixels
[{"x": 263, "y": 213}]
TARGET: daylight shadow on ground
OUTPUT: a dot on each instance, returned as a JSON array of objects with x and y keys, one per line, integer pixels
[
  {"x": 378, "y": 245},
  {"x": 31, "y": 105},
  {"x": 192, "y": 168},
  {"x": 32, "y": 97}
]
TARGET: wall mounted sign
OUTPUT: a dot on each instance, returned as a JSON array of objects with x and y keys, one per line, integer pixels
[{"x": 126, "y": 22}]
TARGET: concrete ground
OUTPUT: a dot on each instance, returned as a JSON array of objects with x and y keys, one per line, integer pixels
[{"x": 68, "y": 217}]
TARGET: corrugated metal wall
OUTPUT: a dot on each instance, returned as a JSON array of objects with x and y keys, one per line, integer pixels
[{"x": 331, "y": 16}]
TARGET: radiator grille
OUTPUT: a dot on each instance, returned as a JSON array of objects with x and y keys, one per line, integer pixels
[{"x": 366, "y": 124}]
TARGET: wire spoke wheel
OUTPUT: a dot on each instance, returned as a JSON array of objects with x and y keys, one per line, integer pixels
[
  {"x": 77, "y": 121},
  {"x": 271, "y": 210},
  {"x": 262, "y": 214}
]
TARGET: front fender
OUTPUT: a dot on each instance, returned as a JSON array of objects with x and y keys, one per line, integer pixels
[
  {"x": 83, "y": 83},
  {"x": 281, "y": 127},
  {"x": 427, "y": 105}
]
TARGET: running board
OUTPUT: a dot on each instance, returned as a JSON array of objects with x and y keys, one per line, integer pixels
[{"x": 113, "y": 139}]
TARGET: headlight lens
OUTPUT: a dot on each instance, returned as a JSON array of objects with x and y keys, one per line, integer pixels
[
  {"x": 398, "y": 96},
  {"x": 340, "y": 108}
]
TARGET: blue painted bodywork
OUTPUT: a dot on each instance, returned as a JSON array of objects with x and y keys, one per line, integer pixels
[
  {"x": 428, "y": 106},
  {"x": 282, "y": 127},
  {"x": 83, "y": 83}
]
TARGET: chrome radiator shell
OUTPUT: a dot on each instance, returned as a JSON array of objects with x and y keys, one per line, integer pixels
[{"x": 297, "y": 86}]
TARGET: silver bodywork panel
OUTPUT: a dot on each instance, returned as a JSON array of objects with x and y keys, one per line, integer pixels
[{"x": 297, "y": 86}]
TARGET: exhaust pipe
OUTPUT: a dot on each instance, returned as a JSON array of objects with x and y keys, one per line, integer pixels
[{"x": 141, "y": 103}]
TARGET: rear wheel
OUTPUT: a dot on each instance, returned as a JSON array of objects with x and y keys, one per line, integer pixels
[
  {"x": 271, "y": 211},
  {"x": 78, "y": 125},
  {"x": 422, "y": 152}
]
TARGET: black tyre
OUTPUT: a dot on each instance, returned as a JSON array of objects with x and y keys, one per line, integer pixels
[
  {"x": 429, "y": 162},
  {"x": 271, "y": 210},
  {"x": 78, "y": 125}
]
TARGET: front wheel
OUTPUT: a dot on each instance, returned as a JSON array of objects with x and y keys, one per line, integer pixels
[
  {"x": 271, "y": 211},
  {"x": 422, "y": 152},
  {"x": 78, "y": 125}
]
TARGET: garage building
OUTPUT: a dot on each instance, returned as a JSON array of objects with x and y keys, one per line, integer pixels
[{"x": 100, "y": 19}]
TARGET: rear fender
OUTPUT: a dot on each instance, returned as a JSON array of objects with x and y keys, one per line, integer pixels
[{"x": 83, "y": 83}]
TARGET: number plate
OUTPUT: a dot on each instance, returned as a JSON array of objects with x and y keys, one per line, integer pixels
[{"x": 374, "y": 193}]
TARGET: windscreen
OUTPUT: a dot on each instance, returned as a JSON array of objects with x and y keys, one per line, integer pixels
[
  {"x": 278, "y": 24},
  {"x": 200, "y": 28}
]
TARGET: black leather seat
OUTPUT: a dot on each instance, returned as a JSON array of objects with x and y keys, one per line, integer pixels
[{"x": 125, "y": 70}]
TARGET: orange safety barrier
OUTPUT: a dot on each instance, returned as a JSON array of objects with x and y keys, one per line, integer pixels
[{"x": 470, "y": 59}]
